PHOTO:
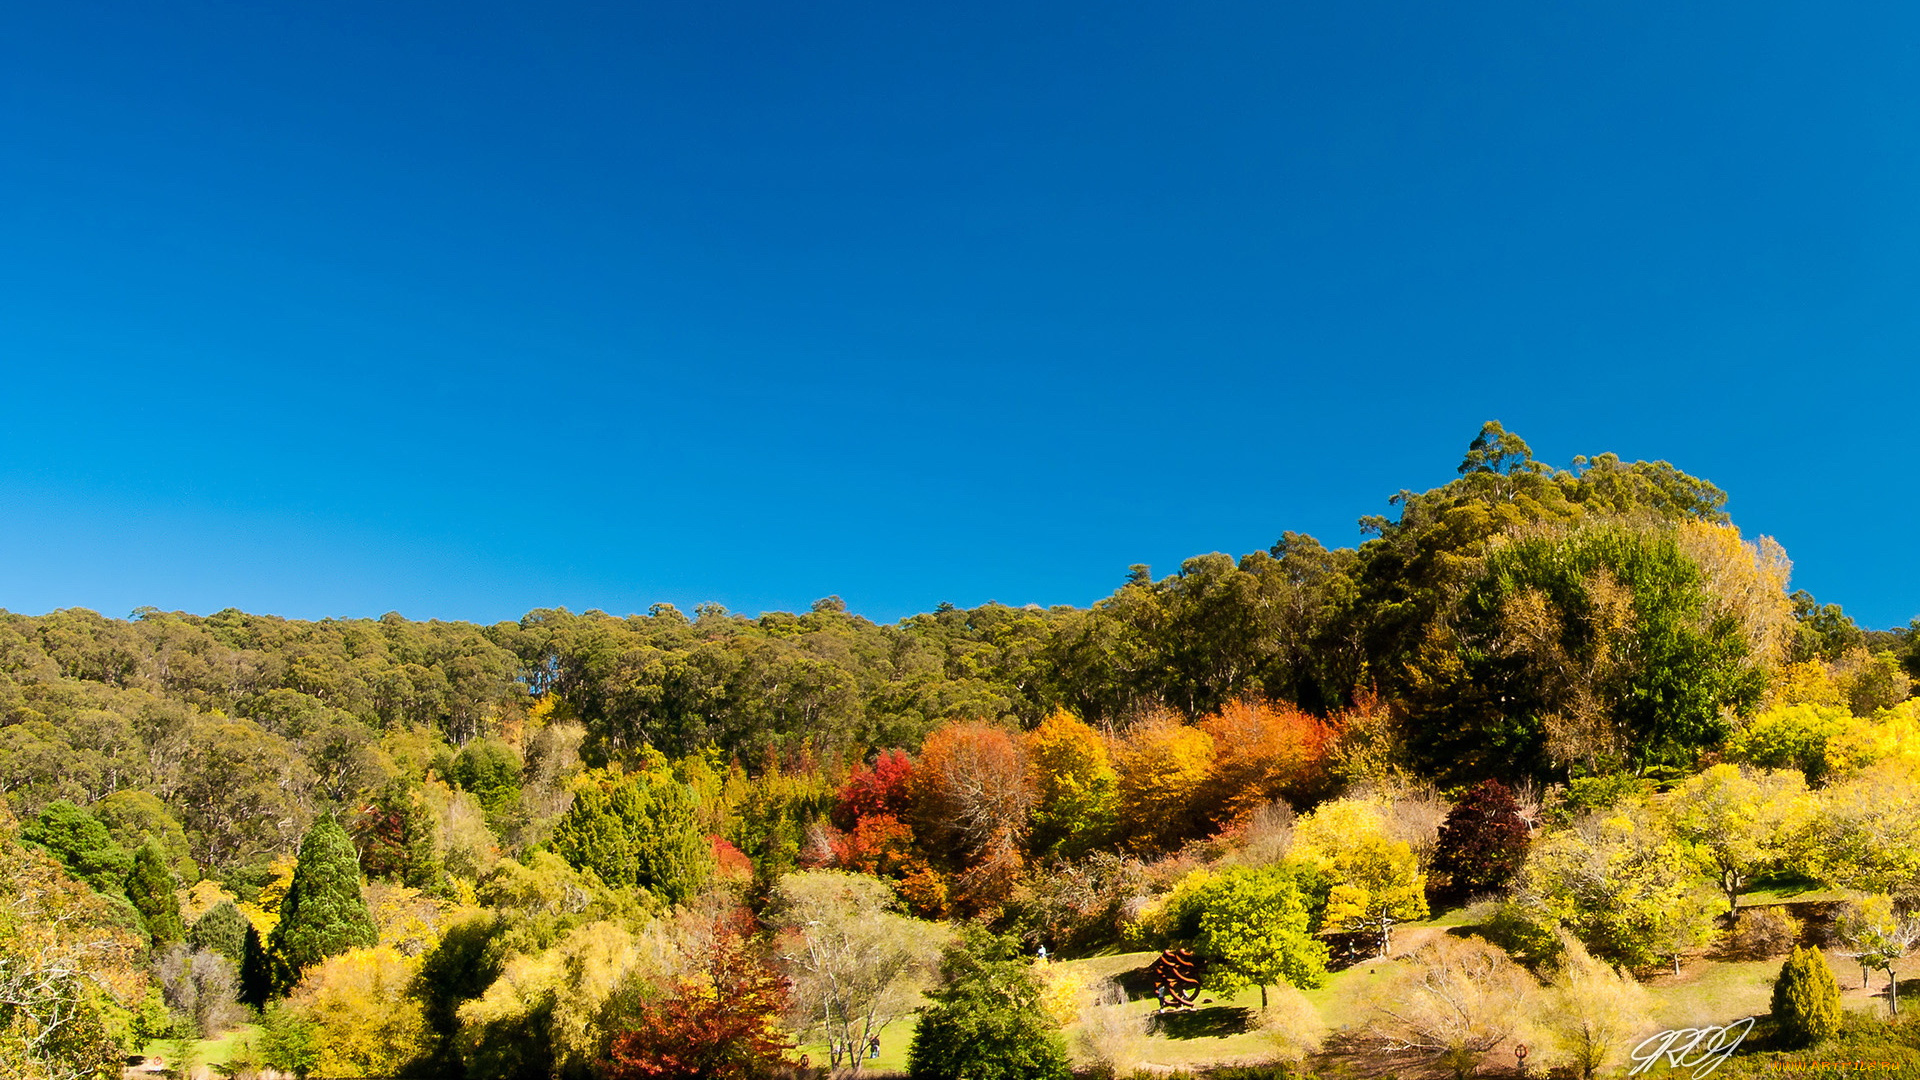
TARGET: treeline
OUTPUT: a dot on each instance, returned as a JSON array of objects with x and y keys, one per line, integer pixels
[{"x": 1522, "y": 621}]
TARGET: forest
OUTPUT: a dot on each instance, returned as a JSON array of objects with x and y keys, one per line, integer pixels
[{"x": 1573, "y": 709}]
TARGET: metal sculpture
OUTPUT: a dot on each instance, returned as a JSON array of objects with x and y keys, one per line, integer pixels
[{"x": 1176, "y": 979}]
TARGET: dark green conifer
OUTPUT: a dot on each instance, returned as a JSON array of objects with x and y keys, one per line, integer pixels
[
  {"x": 1806, "y": 999},
  {"x": 324, "y": 913},
  {"x": 256, "y": 974},
  {"x": 150, "y": 888}
]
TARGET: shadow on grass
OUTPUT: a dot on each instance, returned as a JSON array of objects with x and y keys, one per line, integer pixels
[
  {"x": 1137, "y": 983},
  {"x": 1214, "y": 1022}
]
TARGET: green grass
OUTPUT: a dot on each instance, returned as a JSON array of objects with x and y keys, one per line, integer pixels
[
  {"x": 1793, "y": 892},
  {"x": 892, "y": 1061},
  {"x": 206, "y": 1051}
]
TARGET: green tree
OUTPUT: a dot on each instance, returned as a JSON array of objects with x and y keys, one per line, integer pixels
[
  {"x": 986, "y": 1021},
  {"x": 134, "y": 816},
  {"x": 1253, "y": 929},
  {"x": 640, "y": 829},
  {"x": 81, "y": 843},
  {"x": 1600, "y": 647},
  {"x": 324, "y": 913},
  {"x": 223, "y": 929},
  {"x": 150, "y": 888},
  {"x": 490, "y": 769},
  {"x": 289, "y": 1041},
  {"x": 1806, "y": 999}
]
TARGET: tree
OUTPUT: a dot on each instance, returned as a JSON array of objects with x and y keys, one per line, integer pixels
[
  {"x": 1455, "y": 1000},
  {"x": 134, "y": 816},
  {"x": 1791, "y": 736},
  {"x": 1265, "y": 752},
  {"x": 639, "y": 828},
  {"x": 323, "y": 913},
  {"x": 885, "y": 789},
  {"x": 986, "y": 1021},
  {"x": 1880, "y": 937},
  {"x": 150, "y": 888},
  {"x": 1076, "y": 787},
  {"x": 1163, "y": 767},
  {"x": 1806, "y": 999},
  {"x": 721, "y": 1025},
  {"x": 1593, "y": 1011},
  {"x": 1597, "y": 647},
  {"x": 1865, "y": 833},
  {"x": 1630, "y": 893},
  {"x": 1376, "y": 884},
  {"x": 969, "y": 788},
  {"x": 68, "y": 971},
  {"x": 855, "y": 964},
  {"x": 81, "y": 843},
  {"x": 1373, "y": 881},
  {"x": 364, "y": 1021},
  {"x": 1253, "y": 930},
  {"x": 223, "y": 930},
  {"x": 490, "y": 769},
  {"x": 242, "y": 791},
  {"x": 289, "y": 1041},
  {"x": 201, "y": 988},
  {"x": 1483, "y": 842},
  {"x": 1739, "y": 823}
]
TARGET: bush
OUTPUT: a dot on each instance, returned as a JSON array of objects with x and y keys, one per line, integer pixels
[
  {"x": 1762, "y": 933},
  {"x": 1806, "y": 999}
]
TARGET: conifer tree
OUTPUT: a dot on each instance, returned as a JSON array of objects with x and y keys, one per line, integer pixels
[
  {"x": 256, "y": 974},
  {"x": 223, "y": 930},
  {"x": 150, "y": 888},
  {"x": 1806, "y": 999},
  {"x": 323, "y": 913}
]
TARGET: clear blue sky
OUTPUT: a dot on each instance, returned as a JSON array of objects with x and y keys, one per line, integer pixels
[{"x": 466, "y": 308}]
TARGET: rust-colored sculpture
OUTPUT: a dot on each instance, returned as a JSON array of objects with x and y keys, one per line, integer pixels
[{"x": 1176, "y": 979}]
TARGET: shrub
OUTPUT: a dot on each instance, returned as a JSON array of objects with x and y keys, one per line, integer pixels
[
  {"x": 1806, "y": 999},
  {"x": 1762, "y": 933}
]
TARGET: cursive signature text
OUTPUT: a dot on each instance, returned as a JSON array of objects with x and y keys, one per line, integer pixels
[{"x": 1699, "y": 1049}]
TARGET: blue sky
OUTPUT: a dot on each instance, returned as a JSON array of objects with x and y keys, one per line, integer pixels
[{"x": 464, "y": 309}]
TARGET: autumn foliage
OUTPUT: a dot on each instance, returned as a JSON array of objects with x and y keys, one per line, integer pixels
[
  {"x": 880, "y": 790},
  {"x": 1265, "y": 751},
  {"x": 719, "y": 1025}
]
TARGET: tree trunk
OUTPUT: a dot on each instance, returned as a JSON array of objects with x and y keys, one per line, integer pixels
[
  {"x": 1263, "y": 997},
  {"x": 1893, "y": 992}
]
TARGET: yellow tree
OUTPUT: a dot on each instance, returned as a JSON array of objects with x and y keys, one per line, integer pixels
[
  {"x": 365, "y": 1021},
  {"x": 1376, "y": 884},
  {"x": 1594, "y": 1011},
  {"x": 1075, "y": 784},
  {"x": 1865, "y": 833},
  {"x": 1738, "y": 823},
  {"x": 1163, "y": 765},
  {"x": 1374, "y": 880}
]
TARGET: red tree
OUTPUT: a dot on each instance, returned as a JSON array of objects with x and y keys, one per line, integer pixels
[
  {"x": 1483, "y": 842},
  {"x": 874, "y": 792},
  {"x": 721, "y": 1027}
]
